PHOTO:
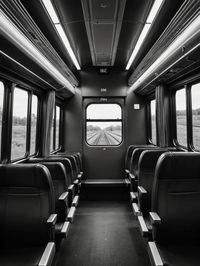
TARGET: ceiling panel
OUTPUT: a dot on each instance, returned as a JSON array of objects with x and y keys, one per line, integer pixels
[{"x": 103, "y": 10}]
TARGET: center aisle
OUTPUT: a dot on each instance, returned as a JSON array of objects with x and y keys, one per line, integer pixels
[{"x": 103, "y": 234}]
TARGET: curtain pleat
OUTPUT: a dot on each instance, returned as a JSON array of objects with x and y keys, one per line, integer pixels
[
  {"x": 48, "y": 120},
  {"x": 161, "y": 117}
]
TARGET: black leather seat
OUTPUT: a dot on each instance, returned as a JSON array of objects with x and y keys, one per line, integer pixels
[
  {"x": 175, "y": 212},
  {"x": 78, "y": 158},
  {"x": 76, "y": 177},
  {"x": 128, "y": 155},
  {"x": 61, "y": 171},
  {"x": 133, "y": 175},
  {"x": 27, "y": 220},
  {"x": 146, "y": 171}
]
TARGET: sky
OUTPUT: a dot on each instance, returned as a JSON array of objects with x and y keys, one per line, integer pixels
[{"x": 104, "y": 111}]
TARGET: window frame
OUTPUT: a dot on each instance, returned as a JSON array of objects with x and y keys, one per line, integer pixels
[
  {"x": 3, "y": 119},
  {"x": 37, "y": 125},
  {"x": 190, "y": 117},
  {"x": 104, "y": 120},
  {"x": 150, "y": 122},
  {"x": 174, "y": 121},
  {"x": 54, "y": 150},
  {"x": 30, "y": 93}
]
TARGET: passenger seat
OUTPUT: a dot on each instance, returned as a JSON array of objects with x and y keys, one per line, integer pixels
[{"x": 27, "y": 216}]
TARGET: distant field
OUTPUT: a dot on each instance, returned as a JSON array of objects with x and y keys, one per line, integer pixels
[
  {"x": 19, "y": 141},
  {"x": 181, "y": 130}
]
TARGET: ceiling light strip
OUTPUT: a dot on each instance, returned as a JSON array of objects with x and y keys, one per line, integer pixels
[
  {"x": 192, "y": 31},
  {"x": 150, "y": 19},
  {"x": 56, "y": 22},
  {"x": 13, "y": 34}
]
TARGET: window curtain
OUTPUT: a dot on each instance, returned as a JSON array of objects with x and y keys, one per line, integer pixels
[
  {"x": 47, "y": 122},
  {"x": 162, "y": 129}
]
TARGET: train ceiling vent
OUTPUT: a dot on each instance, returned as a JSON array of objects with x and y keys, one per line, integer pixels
[{"x": 103, "y": 21}]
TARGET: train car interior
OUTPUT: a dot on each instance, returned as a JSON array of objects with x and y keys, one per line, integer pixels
[{"x": 99, "y": 132}]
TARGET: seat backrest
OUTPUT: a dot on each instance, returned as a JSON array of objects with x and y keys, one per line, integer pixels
[
  {"x": 129, "y": 152},
  {"x": 26, "y": 202},
  {"x": 135, "y": 159},
  {"x": 73, "y": 162},
  {"x": 146, "y": 170},
  {"x": 176, "y": 197},
  {"x": 66, "y": 162},
  {"x": 60, "y": 185},
  {"x": 77, "y": 156}
]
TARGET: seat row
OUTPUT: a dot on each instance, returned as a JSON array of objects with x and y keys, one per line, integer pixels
[
  {"x": 167, "y": 206},
  {"x": 38, "y": 200}
]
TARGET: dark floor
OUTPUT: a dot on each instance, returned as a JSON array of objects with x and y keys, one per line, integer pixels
[{"x": 103, "y": 234}]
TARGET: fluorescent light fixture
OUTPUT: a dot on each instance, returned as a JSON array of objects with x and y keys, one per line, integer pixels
[
  {"x": 191, "y": 32},
  {"x": 13, "y": 34},
  {"x": 51, "y": 11},
  {"x": 52, "y": 14},
  {"x": 152, "y": 14}
]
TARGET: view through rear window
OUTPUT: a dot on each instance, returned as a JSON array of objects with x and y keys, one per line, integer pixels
[{"x": 104, "y": 124}]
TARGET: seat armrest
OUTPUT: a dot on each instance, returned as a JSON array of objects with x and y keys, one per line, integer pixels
[
  {"x": 154, "y": 218},
  {"x": 52, "y": 219},
  {"x": 65, "y": 229},
  {"x": 127, "y": 171},
  {"x": 127, "y": 181},
  {"x": 131, "y": 177},
  {"x": 48, "y": 255},
  {"x": 76, "y": 182},
  {"x": 133, "y": 197},
  {"x": 154, "y": 255},
  {"x": 141, "y": 190},
  {"x": 136, "y": 209},
  {"x": 71, "y": 188},
  {"x": 143, "y": 227},
  {"x": 79, "y": 176},
  {"x": 64, "y": 197}
]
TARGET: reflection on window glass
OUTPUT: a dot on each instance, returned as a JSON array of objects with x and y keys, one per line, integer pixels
[
  {"x": 104, "y": 111},
  {"x": 52, "y": 133},
  {"x": 19, "y": 123},
  {"x": 181, "y": 123},
  {"x": 195, "y": 92},
  {"x": 33, "y": 123},
  {"x": 1, "y": 109},
  {"x": 153, "y": 121},
  {"x": 57, "y": 127},
  {"x": 104, "y": 133}
]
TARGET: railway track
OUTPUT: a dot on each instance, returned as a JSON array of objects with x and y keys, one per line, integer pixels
[{"x": 104, "y": 138}]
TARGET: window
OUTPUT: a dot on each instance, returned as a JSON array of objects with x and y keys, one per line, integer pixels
[
  {"x": 34, "y": 109},
  {"x": 195, "y": 94},
  {"x": 57, "y": 138},
  {"x": 55, "y": 129},
  {"x": 1, "y": 109},
  {"x": 104, "y": 124},
  {"x": 153, "y": 121},
  {"x": 181, "y": 123},
  {"x": 19, "y": 123}
]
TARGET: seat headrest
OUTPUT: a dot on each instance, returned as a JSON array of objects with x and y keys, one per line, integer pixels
[
  {"x": 56, "y": 169},
  {"x": 25, "y": 175},
  {"x": 178, "y": 165},
  {"x": 149, "y": 158}
]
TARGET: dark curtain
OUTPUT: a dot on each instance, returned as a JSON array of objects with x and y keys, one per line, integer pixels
[
  {"x": 47, "y": 122},
  {"x": 162, "y": 139}
]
